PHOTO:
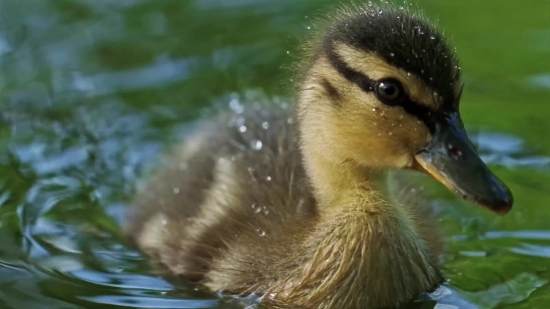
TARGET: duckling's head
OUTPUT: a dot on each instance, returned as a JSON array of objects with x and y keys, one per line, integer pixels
[{"x": 382, "y": 89}]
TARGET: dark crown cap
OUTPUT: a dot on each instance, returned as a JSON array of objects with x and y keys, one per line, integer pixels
[{"x": 404, "y": 39}]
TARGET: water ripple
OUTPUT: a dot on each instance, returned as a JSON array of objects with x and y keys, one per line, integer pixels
[
  {"x": 532, "y": 250},
  {"x": 538, "y": 82},
  {"x": 125, "y": 281},
  {"x": 149, "y": 302},
  {"x": 507, "y": 150},
  {"x": 525, "y": 234}
]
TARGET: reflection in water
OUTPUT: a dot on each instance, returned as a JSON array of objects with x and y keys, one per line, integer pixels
[
  {"x": 92, "y": 92},
  {"x": 519, "y": 235},
  {"x": 533, "y": 250},
  {"x": 508, "y": 151},
  {"x": 539, "y": 81},
  {"x": 149, "y": 302},
  {"x": 126, "y": 281},
  {"x": 162, "y": 72},
  {"x": 513, "y": 291}
]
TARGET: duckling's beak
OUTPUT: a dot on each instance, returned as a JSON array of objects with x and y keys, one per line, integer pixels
[{"x": 451, "y": 159}]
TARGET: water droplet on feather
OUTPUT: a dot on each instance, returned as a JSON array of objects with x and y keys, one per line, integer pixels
[
  {"x": 256, "y": 144},
  {"x": 236, "y": 106}
]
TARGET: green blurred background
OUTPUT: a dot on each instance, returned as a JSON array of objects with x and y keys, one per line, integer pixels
[{"x": 93, "y": 91}]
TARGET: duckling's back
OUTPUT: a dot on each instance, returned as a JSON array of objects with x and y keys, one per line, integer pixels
[{"x": 236, "y": 182}]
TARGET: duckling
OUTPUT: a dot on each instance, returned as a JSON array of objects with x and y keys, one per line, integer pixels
[{"x": 293, "y": 204}]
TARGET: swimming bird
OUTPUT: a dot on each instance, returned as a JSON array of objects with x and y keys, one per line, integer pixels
[{"x": 293, "y": 203}]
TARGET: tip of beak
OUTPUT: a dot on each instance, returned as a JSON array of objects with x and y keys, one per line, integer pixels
[
  {"x": 502, "y": 209},
  {"x": 501, "y": 206},
  {"x": 504, "y": 198}
]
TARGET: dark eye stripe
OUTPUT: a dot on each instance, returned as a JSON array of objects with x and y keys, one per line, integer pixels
[
  {"x": 358, "y": 78},
  {"x": 421, "y": 112},
  {"x": 366, "y": 84},
  {"x": 331, "y": 91}
]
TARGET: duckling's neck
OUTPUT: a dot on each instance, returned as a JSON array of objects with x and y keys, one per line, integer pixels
[
  {"x": 362, "y": 241},
  {"x": 346, "y": 183}
]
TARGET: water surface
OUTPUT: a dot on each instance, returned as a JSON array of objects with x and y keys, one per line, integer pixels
[{"x": 93, "y": 91}]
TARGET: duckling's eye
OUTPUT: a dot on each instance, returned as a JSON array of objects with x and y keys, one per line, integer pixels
[{"x": 390, "y": 91}]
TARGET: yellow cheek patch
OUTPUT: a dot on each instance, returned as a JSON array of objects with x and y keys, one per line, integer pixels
[{"x": 377, "y": 68}]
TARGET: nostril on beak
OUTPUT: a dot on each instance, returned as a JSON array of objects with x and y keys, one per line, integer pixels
[{"x": 455, "y": 152}]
